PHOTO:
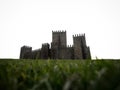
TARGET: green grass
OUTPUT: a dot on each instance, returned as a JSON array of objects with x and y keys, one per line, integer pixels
[{"x": 59, "y": 75}]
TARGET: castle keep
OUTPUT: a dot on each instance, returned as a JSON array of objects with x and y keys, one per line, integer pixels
[{"x": 59, "y": 48}]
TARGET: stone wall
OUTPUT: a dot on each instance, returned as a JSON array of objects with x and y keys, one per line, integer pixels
[
  {"x": 45, "y": 51},
  {"x": 70, "y": 52}
]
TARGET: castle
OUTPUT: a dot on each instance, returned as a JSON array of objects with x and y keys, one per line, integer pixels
[{"x": 59, "y": 48}]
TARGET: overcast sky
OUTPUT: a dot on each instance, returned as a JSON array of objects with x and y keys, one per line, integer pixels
[{"x": 30, "y": 22}]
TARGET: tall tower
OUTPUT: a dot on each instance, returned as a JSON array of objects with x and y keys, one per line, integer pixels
[
  {"x": 58, "y": 44},
  {"x": 81, "y": 51},
  {"x": 59, "y": 38},
  {"x": 77, "y": 43}
]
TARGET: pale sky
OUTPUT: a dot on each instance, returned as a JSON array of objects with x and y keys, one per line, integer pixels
[{"x": 30, "y": 22}]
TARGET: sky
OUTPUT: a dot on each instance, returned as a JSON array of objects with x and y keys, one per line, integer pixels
[{"x": 30, "y": 22}]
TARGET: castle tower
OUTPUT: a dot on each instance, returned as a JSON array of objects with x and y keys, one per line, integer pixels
[
  {"x": 59, "y": 38},
  {"x": 25, "y": 52},
  {"x": 81, "y": 51},
  {"x": 85, "y": 48},
  {"x": 77, "y": 43},
  {"x": 58, "y": 45}
]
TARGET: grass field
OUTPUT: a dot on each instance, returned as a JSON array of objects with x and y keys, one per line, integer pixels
[{"x": 59, "y": 75}]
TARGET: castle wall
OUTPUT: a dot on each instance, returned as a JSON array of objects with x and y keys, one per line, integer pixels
[
  {"x": 36, "y": 54},
  {"x": 45, "y": 52},
  {"x": 62, "y": 53},
  {"x": 59, "y": 49},
  {"x": 54, "y": 51},
  {"x": 69, "y": 52}
]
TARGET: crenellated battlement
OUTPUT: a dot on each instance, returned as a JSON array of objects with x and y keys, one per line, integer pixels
[
  {"x": 59, "y": 38},
  {"x": 59, "y": 31},
  {"x": 79, "y": 35}
]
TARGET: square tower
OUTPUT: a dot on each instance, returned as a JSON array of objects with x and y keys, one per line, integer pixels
[
  {"x": 59, "y": 44},
  {"x": 81, "y": 51},
  {"x": 77, "y": 44},
  {"x": 59, "y": 38}
]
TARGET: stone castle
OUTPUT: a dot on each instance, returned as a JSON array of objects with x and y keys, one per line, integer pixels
[{"x": 59, "y": 49}]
